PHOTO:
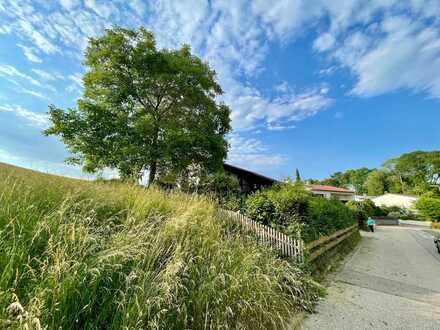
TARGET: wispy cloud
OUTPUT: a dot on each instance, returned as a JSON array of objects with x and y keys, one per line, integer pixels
[
  {"x": 252, "y": 153},
  {"x": 34, "y": 119},
  {"x": 30, "y": 53},
  {"x": 10, "y": 71},
  {"x": 35, "y": 94},
  {"x": 48, "y": 76},
  {"x": 40, "y": 41}
]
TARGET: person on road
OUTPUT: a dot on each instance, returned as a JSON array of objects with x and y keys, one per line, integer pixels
[{"x": 371, "y": 223}]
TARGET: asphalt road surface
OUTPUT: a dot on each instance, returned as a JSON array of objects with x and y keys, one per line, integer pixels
[{"x": 392, "y": 281}]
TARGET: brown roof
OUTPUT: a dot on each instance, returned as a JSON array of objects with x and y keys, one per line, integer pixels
[{"x": 319, "y": 187}]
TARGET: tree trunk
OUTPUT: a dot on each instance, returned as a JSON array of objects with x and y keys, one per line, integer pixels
[{"x": 153, "y": 170}]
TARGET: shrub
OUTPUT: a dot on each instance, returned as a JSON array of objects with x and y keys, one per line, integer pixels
[
  {"x": 325, "y": 217},
  {"x": 360, "y": 211},
  {"x": 429, "y": 208},
  {"x": 82, "y": 255},
  {"x": 395, "y": 215},
  {"x": 292, "y": 210},
  {"x": 282, "y": 206},
  {"x": 261, "y": 208}
]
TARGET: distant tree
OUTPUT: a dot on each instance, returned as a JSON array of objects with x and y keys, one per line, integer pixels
[
  {"x": 376, "y": 183},
  {"x": 297, "y": 176},
  {"x": 143, "y": 108},
  {"x": 353, "y": 177},
  {"x": 393, "y": 183},
  {"x": 417, "y": 171}
]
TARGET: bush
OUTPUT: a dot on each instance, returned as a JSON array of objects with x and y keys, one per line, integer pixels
[
  {"x": 260, "y": 207},
  {"x": 82, "y": 255},
  {"x": 292, "y": 210},
  {"x": 429, "y": 208},
  {"x": 395, "y": 215},
  {"x": 325, "y": 217},
  {"x": 282, "y": 206},
  {"x": 361, "y": 212}
]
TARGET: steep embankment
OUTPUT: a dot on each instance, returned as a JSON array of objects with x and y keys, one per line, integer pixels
[{"x": 86, "y": 255}]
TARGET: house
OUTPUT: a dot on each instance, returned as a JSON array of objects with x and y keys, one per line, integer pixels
[
  {"x": 331, "y": 192},
  {"x": 400, "y": 200},
  {"x": 249, "y": 181}
]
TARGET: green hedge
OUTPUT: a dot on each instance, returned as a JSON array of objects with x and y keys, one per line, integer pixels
[
  {"x": 325, "y": 217},
  {"x": 283, "y": 207},
  {"x": 293, "y": 210}
]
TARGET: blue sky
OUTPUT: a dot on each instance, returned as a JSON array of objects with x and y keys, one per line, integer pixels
[{"x": 322, "y": 86}]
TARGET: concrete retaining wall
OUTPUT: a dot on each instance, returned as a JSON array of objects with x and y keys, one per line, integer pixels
[{"x": 386, "y": 221}]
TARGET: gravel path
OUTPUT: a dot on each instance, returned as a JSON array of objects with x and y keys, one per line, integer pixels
[{"x": 392, "y": 281}]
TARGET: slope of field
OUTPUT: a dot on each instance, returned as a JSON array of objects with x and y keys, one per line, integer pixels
[{"x": 86, "y": 255}]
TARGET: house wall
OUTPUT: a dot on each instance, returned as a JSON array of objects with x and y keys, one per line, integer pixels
[{"x": 330, "y": 195}]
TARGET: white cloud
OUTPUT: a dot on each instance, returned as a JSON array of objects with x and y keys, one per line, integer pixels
[
  {"x": 47, "y": 75},
  {"x": 5, "y": 29},
  {"x": 38, "y": 120},
  {"x": 77, "y": 79},
  {"x": 407, "y": 57},
  {"x": 324, "y": 42},
  {"x": 10, "y": 71},
  {"x": 250, "y": 108},
  {"x": 35, "y": 94},
  {"x": 69, "y": 4},
  {"x": 102, "y": 8},
  {"x": 400, "y": 51},
  {"x": 252, "y": 154},
  {"x": 30, "y": 53},
  {"x": 38, "y": 39}
]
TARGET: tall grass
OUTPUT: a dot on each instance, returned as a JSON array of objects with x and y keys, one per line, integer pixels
[{"x": 84, "y": 255}]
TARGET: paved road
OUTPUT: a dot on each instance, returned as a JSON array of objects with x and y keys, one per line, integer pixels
[{"x": 392, "y": 281}]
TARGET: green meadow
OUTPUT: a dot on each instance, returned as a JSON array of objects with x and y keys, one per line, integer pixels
[{"x": 94, "y": 255}]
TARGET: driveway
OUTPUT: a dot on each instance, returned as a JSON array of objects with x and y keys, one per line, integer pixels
[{"x": 392, "y": 281}]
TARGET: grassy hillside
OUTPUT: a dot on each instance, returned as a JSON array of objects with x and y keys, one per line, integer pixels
[{"x": 86, "y": 255}]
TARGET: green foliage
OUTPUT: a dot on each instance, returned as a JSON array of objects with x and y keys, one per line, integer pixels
[
  {"x": 429, "y": 208},
  {"x": 219, "y": 183},
  {"x": 355, "y": 178},
  {"x": 261, "y": 208},
  {"x": 293, "y": 210},
  {"x": 418, "y": 171},
  {"x": 376, "y": 183},
  {"x": 87, "y": 255},
  {"x": 143, "y": 108},
  {"x": 282, "y": 206},
  {"x": 399, "y": 213},
  {"x": 222, "y": 186},
  {"x": 411, "y": 173},
  {"x": 325, "y": 217}
]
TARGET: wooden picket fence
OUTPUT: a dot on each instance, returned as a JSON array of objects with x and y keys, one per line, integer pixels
[
  {"x": 288, "y": 246},
  {"x": 283, "y": 244}
]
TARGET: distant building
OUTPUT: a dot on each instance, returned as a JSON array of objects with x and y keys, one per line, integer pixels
[
  {"x": 388, "y": 200},
  {"x": 249, "y": 181},
  {"x": 361, "y": 198},
  {"x": 331, "y": 192}
]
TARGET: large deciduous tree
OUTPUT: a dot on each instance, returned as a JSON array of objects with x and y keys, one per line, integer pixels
[
  {"x": 417, "y": 171},
  {"x": 143, "y": 108}
]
